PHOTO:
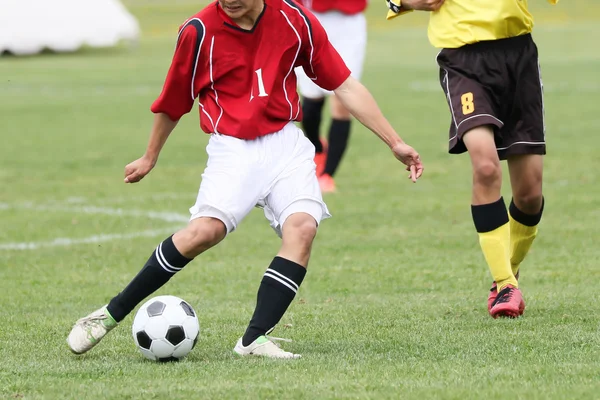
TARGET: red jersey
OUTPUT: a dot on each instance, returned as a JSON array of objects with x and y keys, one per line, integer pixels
[
  {"x": 245, "y": 79},
  {"x": 349, "y": 7}
]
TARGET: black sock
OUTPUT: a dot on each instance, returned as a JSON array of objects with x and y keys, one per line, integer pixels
[
  {"x": 277, "y": 290},
  {"x": 525, "y": 219},
  {"x": 339, "y": 132},
  {"x": 164, "y": 262},
  {"x": 312, "y": 110},
  {"x": 488, "y": 217}
]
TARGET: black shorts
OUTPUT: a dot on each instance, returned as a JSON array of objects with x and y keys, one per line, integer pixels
[{"x": 496, "y": 83}]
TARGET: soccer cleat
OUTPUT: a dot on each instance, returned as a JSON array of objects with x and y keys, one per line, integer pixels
[
  {"x": 509, "y": 303},
  {"x": 327, "y": 184},
  {"x": 494, "y": 293},
  {"x": 88, "y": 331},
  {"x": 264, "y": 346},
  {"x": 320, "y": 160}
]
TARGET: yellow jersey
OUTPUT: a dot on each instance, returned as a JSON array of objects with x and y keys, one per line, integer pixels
[{"x": 460, "y": 22}]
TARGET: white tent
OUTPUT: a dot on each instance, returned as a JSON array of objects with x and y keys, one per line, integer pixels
[{"x": 30, "y": 26}]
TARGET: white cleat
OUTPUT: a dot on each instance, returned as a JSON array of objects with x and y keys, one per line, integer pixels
[
  {"x": 88, "y": 331},
  {"x": 264, "y": 346}
]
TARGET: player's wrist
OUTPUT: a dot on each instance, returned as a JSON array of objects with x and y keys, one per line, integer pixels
[{"x": 150, "y": 157}]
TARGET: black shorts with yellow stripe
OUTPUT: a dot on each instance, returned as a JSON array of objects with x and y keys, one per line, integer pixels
[{"x": 495, "y": 83}]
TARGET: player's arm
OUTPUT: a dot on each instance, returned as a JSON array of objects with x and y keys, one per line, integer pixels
[
  {"x": 161, "y": 129},
  {"x": 361, "y": 104},
  {"x": 327, "y": 69},
  {"x": 176, "y": 99}
]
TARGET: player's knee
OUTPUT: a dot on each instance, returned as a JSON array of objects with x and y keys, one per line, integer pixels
[
  {"x": 301, "y": 229},
  {"x": 528, "y": 200},
  {"x": 204, "y": 233},
  {"x": 488, "y": 173}
]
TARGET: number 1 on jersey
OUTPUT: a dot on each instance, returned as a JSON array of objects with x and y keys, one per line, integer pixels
[{"x": 261, "y": 85}]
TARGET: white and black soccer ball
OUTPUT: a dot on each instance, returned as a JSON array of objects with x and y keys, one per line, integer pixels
[{"x": 165, "y": 328}]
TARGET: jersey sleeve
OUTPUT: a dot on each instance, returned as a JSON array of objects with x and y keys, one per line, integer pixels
[
  {"x": 181, "y": 85},
  {"x": 321, "y": 61}
]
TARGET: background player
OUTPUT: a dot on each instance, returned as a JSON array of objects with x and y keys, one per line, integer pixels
[
  {"x": 256, "y": 155},
  {"x": 346, "y": 27},
  {"x": 490, "y": 74}
]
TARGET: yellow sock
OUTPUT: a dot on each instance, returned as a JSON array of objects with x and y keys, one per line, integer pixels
[
  {"x": 523, "y": 230},
  {"x": 521, "y": 239},
  {"x": 496, "y": 250}
]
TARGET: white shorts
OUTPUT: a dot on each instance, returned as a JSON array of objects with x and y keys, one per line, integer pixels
[
  {"x": 275, "y": 172},
  {"x": 348, "y": 35}
]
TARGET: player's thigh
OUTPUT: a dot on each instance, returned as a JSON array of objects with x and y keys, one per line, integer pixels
[
  {"x": 481, "y": 145},
  {"x": 472, "y": 102},
  {"x": 307, "y": 87},
  {"x": 524, "y": 130},
  {"x": 231, "y": 184},
  {"x": 296, "y": 190}
]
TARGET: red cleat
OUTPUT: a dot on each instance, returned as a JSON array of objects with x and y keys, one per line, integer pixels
[
  {"x": 508, "y": 303},
  {"x": 327, "y": 184},
  {"x": 494, "y": 293},
  {"x": 320, "y": 160}
]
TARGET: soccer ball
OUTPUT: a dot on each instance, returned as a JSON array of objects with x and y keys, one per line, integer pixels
[{"x": 165, "y": 328}]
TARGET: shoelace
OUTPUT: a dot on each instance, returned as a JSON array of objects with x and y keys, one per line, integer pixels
[
  {"x": 505, "y": 295},
  {"x": 91, "y": 320},
  {"x": 274, "y": 340}
]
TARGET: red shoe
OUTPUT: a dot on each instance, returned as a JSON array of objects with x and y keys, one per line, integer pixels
[
  {"x": 494, "y": 293},
  {"x": 321, "y": 158},
  {"x": 508, "y": 303},
  {"x": 327, "y": 184}
]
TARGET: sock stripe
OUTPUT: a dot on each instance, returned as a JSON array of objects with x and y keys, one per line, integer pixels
[
  {"x": 163, "y": 262},
  {"x": 272, "y": 271},
  {"x": 282, "y": 282}
]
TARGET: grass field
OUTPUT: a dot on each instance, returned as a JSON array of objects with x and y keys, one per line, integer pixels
[{"x": 394, "y": 302}]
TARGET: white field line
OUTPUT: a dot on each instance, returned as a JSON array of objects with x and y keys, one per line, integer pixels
[
  {"x": 116, "y": 212},
  {"x": 77, "y": 209},
  {"x": 65, "y": 242}
]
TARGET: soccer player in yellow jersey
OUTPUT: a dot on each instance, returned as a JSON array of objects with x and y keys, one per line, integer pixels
[{"x": 490, "y": 75}]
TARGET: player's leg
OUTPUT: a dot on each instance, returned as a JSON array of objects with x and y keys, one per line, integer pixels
[
  {"x": 339, "y": 133},
  {"x": 473, "y": 128},
  {"x": 487, "y": 205},
  {"x": 294, "y": 207},
  {"x": 313, "y": 100},
  {"x": 526, "y": 206},
  {"x": 169, "y": 257},
  {"x": 279, "y": 286},
  {"x": 348, "y": 34},
  {"x": 226, "y": 196},
  {"x": 524, "y": 147}
]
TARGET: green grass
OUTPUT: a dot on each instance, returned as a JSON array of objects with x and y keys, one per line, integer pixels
[{"x": 394, "y": 303}]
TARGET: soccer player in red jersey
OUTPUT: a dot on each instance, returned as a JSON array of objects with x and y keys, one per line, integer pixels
[
  {"x": 238, "y": 58},
  {"x": 346, "y": 26}
]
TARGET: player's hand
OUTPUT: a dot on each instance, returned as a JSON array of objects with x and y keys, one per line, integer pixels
[
  {"x": 135, "y": 171},
  {"x": 409, "y": 157},
  {"x": 422, "y": 5}
]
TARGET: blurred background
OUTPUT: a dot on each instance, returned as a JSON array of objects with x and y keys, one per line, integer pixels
[{"x": 397, "y": 284}]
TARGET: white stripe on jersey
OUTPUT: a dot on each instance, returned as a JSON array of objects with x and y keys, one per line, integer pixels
[
  {"x": 199, "y": 47},
  {"x": 212, "y": 45},
  {"x": 292, "y": 66},
  {"x": 312, "y": 48}
]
